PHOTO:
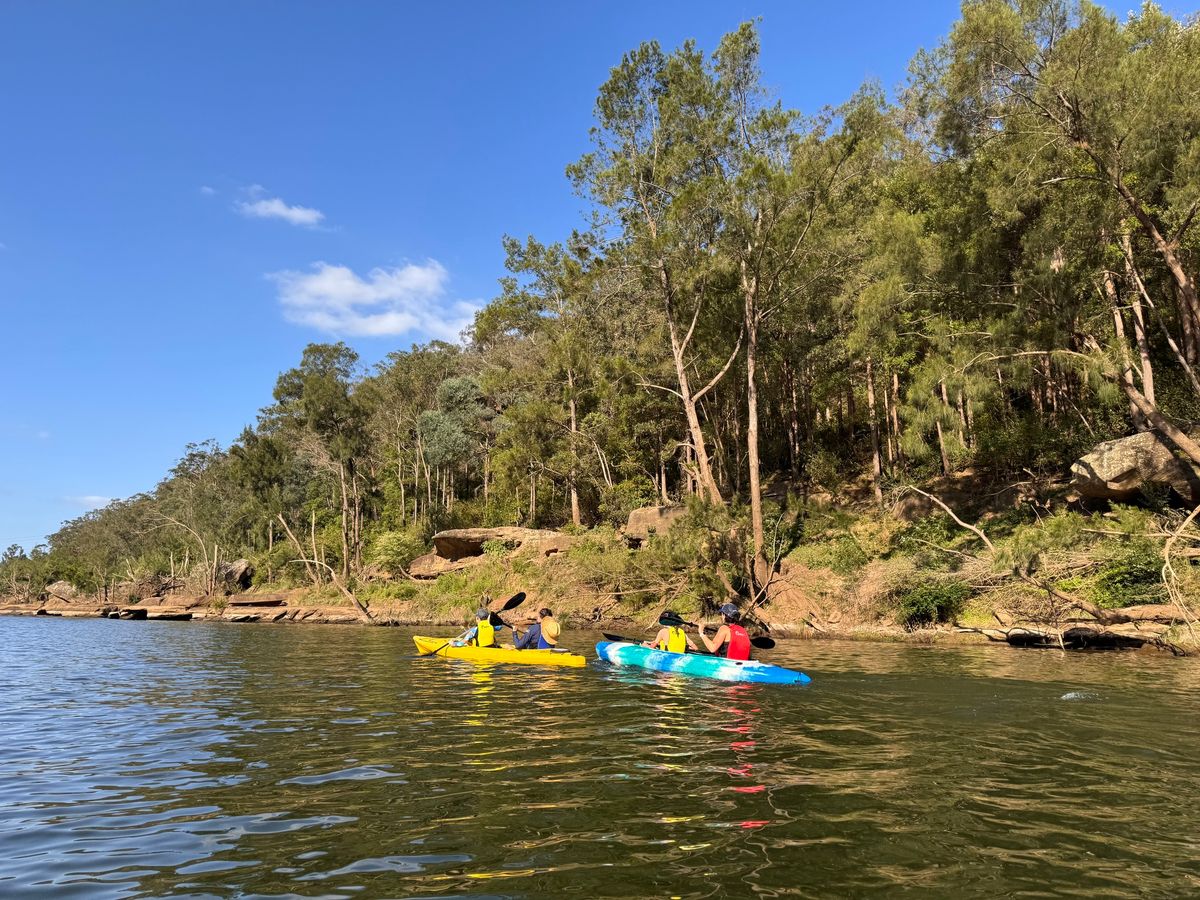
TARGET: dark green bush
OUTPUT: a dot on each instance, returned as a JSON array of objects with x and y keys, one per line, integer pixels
[
  {"x": 1134, "y": 576},
  {"x": 936, "y": 601}
]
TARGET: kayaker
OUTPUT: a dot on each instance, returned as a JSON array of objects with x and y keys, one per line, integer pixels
[
  {"x": 483, "y": 633},
  {"x": 671, "y": 637},
  {"x": 541, "y": 635},
  {"x": 732, "y": 636},
  {"x": 549, "y": 630},
  {"x": 529, "y": 638}
]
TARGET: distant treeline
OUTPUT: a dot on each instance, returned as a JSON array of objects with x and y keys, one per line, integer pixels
[{"x": 996, "y": 268}]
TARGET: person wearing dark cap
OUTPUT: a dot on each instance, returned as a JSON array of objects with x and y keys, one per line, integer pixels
[
  {"x": 671, "y": 636},
  {"x": 731, "y": 635},
  {"x": 482, "y": 634}
]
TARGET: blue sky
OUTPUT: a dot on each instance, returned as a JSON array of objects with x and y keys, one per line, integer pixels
[{"x": 191, "y": 192}]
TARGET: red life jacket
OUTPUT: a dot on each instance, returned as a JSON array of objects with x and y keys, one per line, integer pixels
[{"x": 739, "y": 642}]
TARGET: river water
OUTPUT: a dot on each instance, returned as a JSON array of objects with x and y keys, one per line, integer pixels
[{"x": 208, "y": 760}]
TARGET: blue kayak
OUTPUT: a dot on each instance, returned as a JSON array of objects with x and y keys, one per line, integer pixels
[{"x": 703, "y": 666}]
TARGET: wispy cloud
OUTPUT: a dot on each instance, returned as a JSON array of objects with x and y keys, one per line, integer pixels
[
  {"x": 258, "y": 206},
  {"x": 207, "y": 191},
  {"x": 89, "y": 501},
  {"x": 387, "y": 301}
]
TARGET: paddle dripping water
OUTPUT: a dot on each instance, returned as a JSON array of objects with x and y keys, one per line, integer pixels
[{"x": 185, "y": 759}]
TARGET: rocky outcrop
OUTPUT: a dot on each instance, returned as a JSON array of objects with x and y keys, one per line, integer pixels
[
  {"x": 431, "y": 565},
  {"x": 461, "y": 548},
  {"x": 234, "y": 577},
  {"x": 650, "y": 520},
  {"x": 61, "y": 591},
  {"x": 1121, "y": 469},
  {"x": 458, "y": 543}
]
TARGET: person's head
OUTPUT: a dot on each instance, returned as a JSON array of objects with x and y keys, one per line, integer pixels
[
  {"x": 731, "y": 613},
  {"x": 481, "y": 614},
  {"x": 544, "y": 613}
]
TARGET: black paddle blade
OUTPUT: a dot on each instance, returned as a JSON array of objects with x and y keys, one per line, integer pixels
[
  {"x": 514, "y": 601},
  {"x": 762, "y": 643},
  {"x": 617, "y": 637}
]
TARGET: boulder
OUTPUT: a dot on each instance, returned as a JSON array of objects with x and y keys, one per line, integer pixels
[
  {"x": 235, "y": 576},
  {"x": 1120, "y": 469},
  {"x": 431, "y": 565},
  {"x": 62, "y": 590},
  {"x": 459, "y": 543},
  {"x": 652, "y": 520}
]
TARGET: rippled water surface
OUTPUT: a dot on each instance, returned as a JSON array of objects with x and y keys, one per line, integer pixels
[{"x": 208, "y": 760}]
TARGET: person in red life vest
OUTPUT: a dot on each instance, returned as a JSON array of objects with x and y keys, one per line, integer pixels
[{"x": 732, "y": 636}]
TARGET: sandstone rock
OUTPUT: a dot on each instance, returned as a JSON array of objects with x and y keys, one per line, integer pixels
[
  {"x": 431, "y": 565},
  {"x": 235, "y": 576},
  {"x": 1120, "y": 469},
  {"x": 62, "y": 590},
  {"x": 652, "y": 520},
  {"x": 459, "y": 543}
]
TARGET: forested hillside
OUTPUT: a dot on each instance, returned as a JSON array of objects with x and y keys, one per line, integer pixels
[{"x": 992, "y": 271}]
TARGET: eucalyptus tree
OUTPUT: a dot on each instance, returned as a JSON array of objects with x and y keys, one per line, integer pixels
[
  {"x": 1074, "y": 98},
  {"x": 316, "y": 407},
  {"x": 656, "y": 161}
]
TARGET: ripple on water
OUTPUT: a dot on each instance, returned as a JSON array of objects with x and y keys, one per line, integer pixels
[{"x": 208, "y": 761}]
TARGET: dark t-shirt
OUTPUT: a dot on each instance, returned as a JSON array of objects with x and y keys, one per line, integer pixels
[{"x": 529, "y": 640}]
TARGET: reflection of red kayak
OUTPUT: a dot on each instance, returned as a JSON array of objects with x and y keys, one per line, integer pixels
[{"x": 627, "y": 654}]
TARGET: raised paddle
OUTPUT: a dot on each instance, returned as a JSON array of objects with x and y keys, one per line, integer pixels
[{"x": 511, "y": 603}]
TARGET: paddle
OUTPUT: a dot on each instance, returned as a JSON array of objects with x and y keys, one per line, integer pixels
[
  {"x": 511, "y": 603},
  {"x": 762, "y": 643}
]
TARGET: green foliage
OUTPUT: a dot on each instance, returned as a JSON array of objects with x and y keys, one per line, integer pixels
[
  {"x": 931, "y": 293},
  {"x": 392, "y": 551},
  {"x": 930, "y": 603}
]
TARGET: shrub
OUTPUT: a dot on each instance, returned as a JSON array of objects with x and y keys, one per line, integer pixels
[
  {"x": 1133, "y": 576},
  {"x": 394, "y": 550},
  {"x": 935, "y": 601}
]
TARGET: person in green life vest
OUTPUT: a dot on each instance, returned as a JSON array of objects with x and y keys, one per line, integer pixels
[{"x": 671, "y": 637}]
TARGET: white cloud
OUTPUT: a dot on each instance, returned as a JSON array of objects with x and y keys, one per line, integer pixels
[
  {"x": 90, "y": 501},
  {"x": 207, "y": 191},
  {"x": 260, "y": 207},
  {"x": 388, "y": 301}
]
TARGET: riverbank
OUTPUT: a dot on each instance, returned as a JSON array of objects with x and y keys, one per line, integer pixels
[
  {"x": 909, "y": 574},
  {"x": 300, "y": 607}
]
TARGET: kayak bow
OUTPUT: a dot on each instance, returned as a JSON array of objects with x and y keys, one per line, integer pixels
[
  {"x": 498, "y": 654},
  {"x": 628, "y": 654}
]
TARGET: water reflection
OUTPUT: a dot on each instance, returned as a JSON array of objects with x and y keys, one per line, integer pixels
[{"x": 215, "y": 761}]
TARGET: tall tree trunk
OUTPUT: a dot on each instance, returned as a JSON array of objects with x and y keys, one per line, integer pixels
[
  {"x": 896, "y": 415},
  {"x": 345, "y": 522},
  {"x": 876, "y": 461},
  {"x": 679, "y": 346},
  {"x": 1139, "y": 323},
  {"x": 576, "y": 517},
  {"x": 1110, "y": 291},
  {"x": 750, "y": 323}
]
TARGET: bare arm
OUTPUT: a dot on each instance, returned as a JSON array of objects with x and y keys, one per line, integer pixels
[
  {"x": 718, "y": 639},
  {"x": 660, "y": 638}
]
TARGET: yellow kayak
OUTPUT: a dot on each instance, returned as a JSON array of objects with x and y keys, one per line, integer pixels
[{"x": 427, "y": 645}]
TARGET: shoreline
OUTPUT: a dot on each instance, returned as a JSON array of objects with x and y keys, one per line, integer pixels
[{"x": 251, "y": 612}]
